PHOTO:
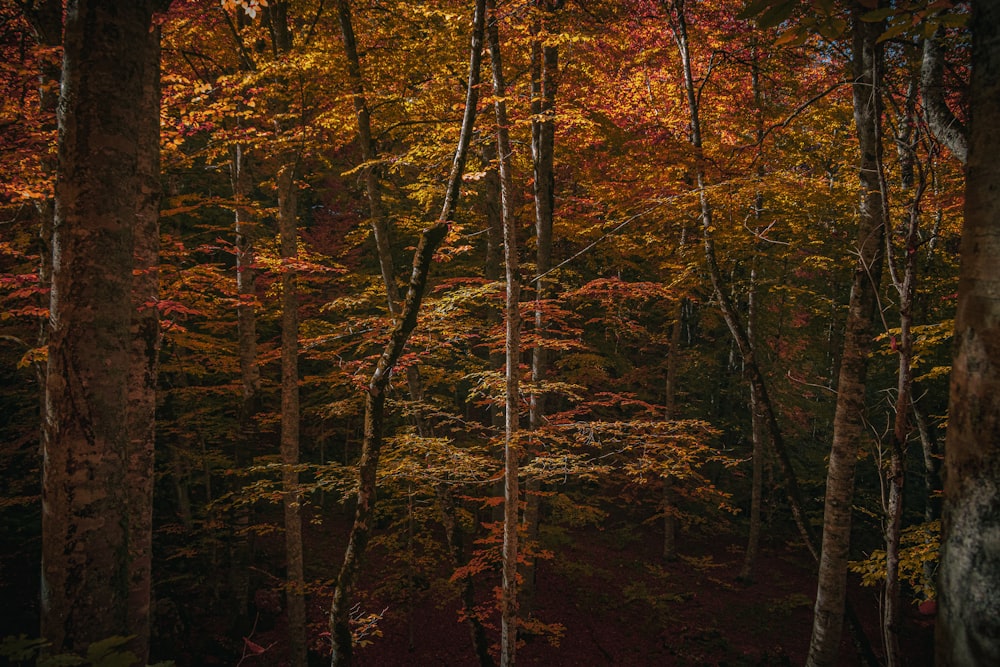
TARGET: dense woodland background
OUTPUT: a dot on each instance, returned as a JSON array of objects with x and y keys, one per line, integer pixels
[{"x": 679, "y": 207}]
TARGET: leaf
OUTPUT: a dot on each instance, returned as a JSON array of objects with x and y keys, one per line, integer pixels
[
  {"x": 878, "y": 15},
  {"x": 754, "y": 8},
  {"x": 776, "y": 15}
]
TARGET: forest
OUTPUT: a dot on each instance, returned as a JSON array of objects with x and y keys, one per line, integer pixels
[{"x": 485, "y": 332}]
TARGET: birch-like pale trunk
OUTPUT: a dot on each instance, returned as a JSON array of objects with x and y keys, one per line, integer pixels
[{"x": 512, "y": 327}]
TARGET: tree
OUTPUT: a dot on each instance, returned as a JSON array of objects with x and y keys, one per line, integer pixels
[
  {"x": 848, "y": 420},
  {"x": 96, "y": 486},
  {"x": 968, "y": 627},
  {"x": 512, "y": 345},
  {"x": 340, "y": 630}
]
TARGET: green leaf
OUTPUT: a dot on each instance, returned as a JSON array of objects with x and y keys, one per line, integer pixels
[
  {"x": 776, "y": 15},
  {"x": 952, "y": 20},
  {"x": 893, "y": 31},
  {"x": 755, "y": 7},
  {"x": 878, "y": 15}
]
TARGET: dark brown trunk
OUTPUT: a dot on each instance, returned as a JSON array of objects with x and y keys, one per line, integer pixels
[
  {"x": 291, "y": 498},
  {"x": 145, "y": 354},
  {"x": 968, "y": 622},
  {"x": 544, "y": 80},
  {"x": 95, "y": 557}
]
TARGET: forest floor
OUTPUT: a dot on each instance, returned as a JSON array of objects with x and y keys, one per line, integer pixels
[
  {"x": 618, "y": 603},
  {"x": 614, "y": 599}
]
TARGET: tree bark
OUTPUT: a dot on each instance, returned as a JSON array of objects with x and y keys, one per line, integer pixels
[
  {"x": 512, "y": 322},
  {"x": 291, "y": 500},
  {"x": 381, "y": 229},
  {"x": 95, "y": 497},
  {"x": 544, "y": 80},
  {"x": 968, "y": 623},
  {"x": 340, "y": 630},
  {"x": 943, "y": 124},
  {"x": 848, "y": 416},
  {"x": 145, "y": 353}
]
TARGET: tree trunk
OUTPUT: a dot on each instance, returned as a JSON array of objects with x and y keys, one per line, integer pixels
[
  {"x": 145, "y": 353},
  {"x": 758, "y": 419},
  {"x": 946, "y": 128},
  {"x": 512, "y": 320},
  {"x": 968, "y": 624},
  {"x": 905, "y": 285},
  {"x": 373, "y": 189},
  {"x": 340, "y": 629},
  {"x": 544, "y": 80},
  {"x": 670, "y": 413},
  {"x": 848, "y": 416},
  {"x": 287, "y": 200},
  {"x": 246, "y": 326},
  {"x": 95, "y": 533}
]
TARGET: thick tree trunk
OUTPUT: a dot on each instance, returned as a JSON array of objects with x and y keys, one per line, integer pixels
[
  {"x": 342, "y": 652},
  {"x": 95, "y": 504},
  {"x": 512, "y": 320},
  {"x": 968, "y": 625},
  {"x": 145, "y": 354},
  {"x": 291, "y": 500},
  {"x": 848, "y": 416}
]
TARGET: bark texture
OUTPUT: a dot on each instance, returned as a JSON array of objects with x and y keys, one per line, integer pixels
[
  {"x": 95, "y": 496},
  {"x": 946, "y": 127},
  {"x": 287, "y": 223},
  {"x": 968, "y": 625}
]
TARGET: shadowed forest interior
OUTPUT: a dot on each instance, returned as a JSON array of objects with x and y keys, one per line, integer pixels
[{"x": 567, "y": 332}]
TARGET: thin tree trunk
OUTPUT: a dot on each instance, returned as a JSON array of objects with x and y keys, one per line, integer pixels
[
  {"x": 968, "y": 622},
  {"x": 512, "y": 319},
  {"x": 373, "y": 190},
  {"x": 544, "y": 80},
  {"x": 670, "y": 413},
  {"x": 291, "y": 500},
  {"x": 757, "y": 417},
  {"x": 757, "y": 433},
  {"x": 246, "y": 327},
  {"x": 848, "y": 417},
  {"x": 94, "y": 531},
  {"x": 905, "y": 286},
  {"x": 456, "y": 543},
  {"x": 340, "y": 630}
]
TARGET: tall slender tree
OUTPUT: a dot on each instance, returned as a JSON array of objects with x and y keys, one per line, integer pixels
[
  {"x": 848, "y": 423},
  {"x": 512, "y": 327}
]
